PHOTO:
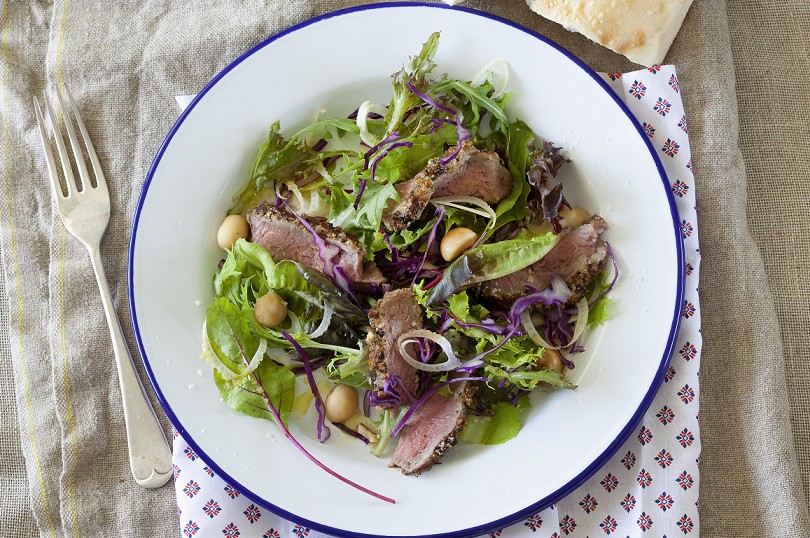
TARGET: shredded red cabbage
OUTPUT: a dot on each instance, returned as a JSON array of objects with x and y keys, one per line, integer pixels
[
  {"x": 390, "y": 396},
  {"x": 514, "y": 401},
  {"x": 323, "y": 429},
  {"x": 380, "y": 156},
  {"x": 371, "y": 115},
  {"x": 348, "y": 431},
  {"x": 434, "y": 281},
  {"x": 439, "y": 214},
  {"x": 314, "y": 365},
  {"x": 438, "y": 122},
  {"x": 462, "y": 133},
  {"x": 394, "y": 250},
  {"x": 342, "y": 281},
  {"x": 414, "y": 264},
  {"x": 360, "y": 190},
  {"x": 486, "y": 325},
  {"x": 554, "y": 295},
  {"x": 568, "y": 364},
  {"x": 391, "y": 141},
  {"x": 367, "y": 403},
  {"x": 283, "y": 197},
  {"x": 427, "y": 348},
  {"x": 393, "y": 137},
  {"x": 429, "y": 100}
]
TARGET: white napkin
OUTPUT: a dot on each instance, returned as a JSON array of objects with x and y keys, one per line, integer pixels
[{"x": 650, "y": 486}]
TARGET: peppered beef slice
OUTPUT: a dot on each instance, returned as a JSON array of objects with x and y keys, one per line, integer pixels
[
  {"x": 430, "y": 432},
  {"x": 395, "y": 314},
  {"x": 472, "y": 172},
  {"x": 285, "y": 238}
]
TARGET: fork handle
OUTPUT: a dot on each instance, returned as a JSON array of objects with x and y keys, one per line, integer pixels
[{"x": 149, "y": 455}]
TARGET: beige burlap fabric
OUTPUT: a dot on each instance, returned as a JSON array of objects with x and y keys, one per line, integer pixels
[{"x": 744, "y": 72}]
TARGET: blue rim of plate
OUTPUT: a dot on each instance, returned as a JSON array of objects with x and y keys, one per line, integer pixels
[{"x": 540, "y": 504}]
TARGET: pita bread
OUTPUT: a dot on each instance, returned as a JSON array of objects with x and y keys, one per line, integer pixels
[{"x": 642, "y": 30}]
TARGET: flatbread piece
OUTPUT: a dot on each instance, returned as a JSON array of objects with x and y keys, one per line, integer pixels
[{"x": 642, "y": 30}]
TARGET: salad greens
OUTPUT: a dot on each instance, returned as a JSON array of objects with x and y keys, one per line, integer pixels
[{"x": 346, "y": 171}]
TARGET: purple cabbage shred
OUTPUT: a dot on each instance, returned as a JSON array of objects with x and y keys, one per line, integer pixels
[
  {"x": 348, "y": 431},
  {"x": 462, "y": 133},
  {"x": 439, "y": 214},
  {"x": 323, "y": 429}
]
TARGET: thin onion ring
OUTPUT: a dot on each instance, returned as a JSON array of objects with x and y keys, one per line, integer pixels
[
  {"x": 484, "y": 211},
  {"x": 582, "y": 320},
  {"x": 579, "y": 327},
  {"x": 499, "y": 70},
  {"x": 362, "y": 118},
  {"x": 326, "y": 319},
  {"x": 531, "y": 332},
  {"x": 409, "y": 337}
]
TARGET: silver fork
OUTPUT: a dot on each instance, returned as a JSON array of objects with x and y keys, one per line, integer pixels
[{"x": 85, "y": 211}]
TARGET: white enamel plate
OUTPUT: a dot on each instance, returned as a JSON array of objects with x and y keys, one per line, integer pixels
[{"x": 336, "y": 62}]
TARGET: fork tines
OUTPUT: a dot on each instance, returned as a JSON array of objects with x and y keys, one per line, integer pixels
[{"x": 68, "y": 110}]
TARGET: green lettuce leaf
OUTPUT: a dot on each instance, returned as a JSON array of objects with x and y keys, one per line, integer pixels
[
  {"x": 459, "y": 305},
  {"x": 270, "y": 380},
  {"x": 599, "y": 313},
  {"x": 478, "y": 98},
  {"x": 527, "y": 378},
  {"x": 388, "y": 422},
  {"x": 518, "y": 150},
  {"x": 490, "y": 261},
  {"x": 249, "y": 272},
  {"x": 502, "y": 426},
  {"x": 350, "y": 368},
  {"x": 280, "y": 159},
  {"x": 408, "y": 236},
  {"x": 229, "y": 335},
  {"x": 404, "y": 163},
  {"x": 368, "y": 214},
  {"x": 417, "y": 72}
]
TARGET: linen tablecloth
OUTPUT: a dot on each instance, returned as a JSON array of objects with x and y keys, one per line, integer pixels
[{"x": 62, "y": 450}]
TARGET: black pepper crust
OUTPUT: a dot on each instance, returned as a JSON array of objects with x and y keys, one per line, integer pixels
[
  {"x": 415, "y": 195},
  {"x": 397, "y": 310},
  {"x": 442, "y": 448}
]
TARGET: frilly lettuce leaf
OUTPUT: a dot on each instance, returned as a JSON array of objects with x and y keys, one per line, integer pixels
[
  {"x": 417, "y": 72},
  {"x": 527, "y": 378},
  {"x": 281, "y": 158},
  {"x": 404, "y": 163}
]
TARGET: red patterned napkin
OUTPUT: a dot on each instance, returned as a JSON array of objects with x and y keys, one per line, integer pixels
[{"x": 650, "y": 487}]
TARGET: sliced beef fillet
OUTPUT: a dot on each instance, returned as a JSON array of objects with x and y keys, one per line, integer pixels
[
  {"x": 473, "y": 172},
  {"x": 430, "y": 432},
  {"x": 372, "y": 274},
  {"x": 390, "y": 317},
  {"x": 286, "y": 238},
  {"x": 577, "y": 257}
]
